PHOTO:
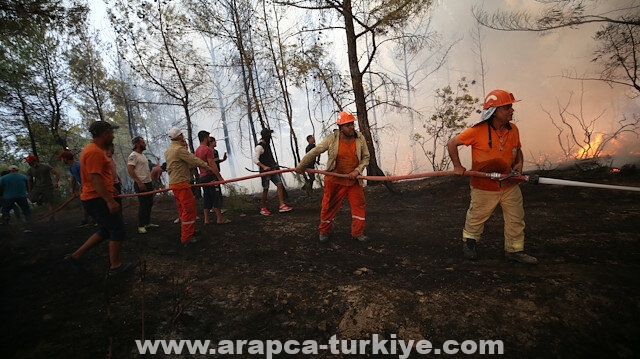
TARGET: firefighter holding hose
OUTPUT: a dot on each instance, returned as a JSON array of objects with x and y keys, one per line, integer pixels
[
  {"x": 348, "y": 155},
  {"x": 495, "y": 147}
]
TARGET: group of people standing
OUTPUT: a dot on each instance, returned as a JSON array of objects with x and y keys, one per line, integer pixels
[{"x": 495, "y": 147}]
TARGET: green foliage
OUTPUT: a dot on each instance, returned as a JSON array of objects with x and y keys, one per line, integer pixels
[
  {"x": 452, "y": 107},
  {"x": 239, "y": 199},
  {"x": 19, "y": 16}
]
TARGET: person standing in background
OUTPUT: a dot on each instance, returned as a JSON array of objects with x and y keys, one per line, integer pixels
[
  {"x": 179, "y": 164},
  {"x": 140, "y": 173},
  {"x": 40, "y": 185}
]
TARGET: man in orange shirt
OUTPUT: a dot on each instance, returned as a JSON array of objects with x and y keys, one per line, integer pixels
[
  {"x": 98, "y": 198},
  {"x": 349, "y": 155},
  {"x": 495, "y": 147}
]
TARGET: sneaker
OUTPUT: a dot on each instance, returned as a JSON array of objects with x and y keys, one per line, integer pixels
[
  {"x": 521, "y": 257},
  {"x": 27, "y": 230},
  {"x": 361, "y": 238},
  {"x": 123, "y": 268},
  {"x": 151, "y": 225},
  {"x": 264, "y": 211},
  {"x": 469, "y": 249},
  {"x": 68, "y": 258},
  {"x": 284, "y": 208},
  {"x": 177, "y": 220},
  {"x": 323, "y": 237},
  {"x": 142, "y": 230}
]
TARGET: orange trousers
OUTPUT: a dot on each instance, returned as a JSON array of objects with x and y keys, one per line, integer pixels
[
  {"x": 186, "y": 203},
  {"x": 334, "y": 195}
]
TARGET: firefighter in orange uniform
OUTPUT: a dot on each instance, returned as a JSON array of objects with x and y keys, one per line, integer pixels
[
  {"x": 495, "y": 147},
  {"x": 179, "y": 164},
  {"x": 348, "y": 154}
]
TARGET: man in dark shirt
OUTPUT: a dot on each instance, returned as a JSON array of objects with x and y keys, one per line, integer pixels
[{"x": 263, "y": 157}]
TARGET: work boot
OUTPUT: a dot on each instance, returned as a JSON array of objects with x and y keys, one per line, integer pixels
[
  {"x": 323, "y": 237},
  {"x": 469, "y": 249},
  {"x": 361, "y": 238},
  {"x": 521, "y": 257}
]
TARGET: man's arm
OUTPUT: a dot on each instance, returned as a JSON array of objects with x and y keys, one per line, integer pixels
[
  {"x": 452, "y": 147},
  {"x": 310, "y": 157},
  {"x": 131, "y": 170},
  {"x": 73, "y": 184},
  {"x": 257, "y": 152},
  {"x": 57, "y": 177},
  {"x": 29, "y": 181},
  {"x": 101, "y": 189},
  {"x": 364, "y": 162},
  {"x": 192, "y": 160},
  {"x": 214, "y": 167},
  {"x": 519, "y": 163}
]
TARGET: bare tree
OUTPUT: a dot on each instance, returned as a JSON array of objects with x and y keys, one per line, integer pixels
[
  {"x": 158, "y": 47},
  {"x": 579, "y": 136},
  {"x": 478, "y": 50},
  {"x": 89, "y": 79},
  {"x": 619, "y": 47},
  {"x": 369, "y": 23},
  {"x": 418, "y": 54},
  {"x": 231, "y": 21}
]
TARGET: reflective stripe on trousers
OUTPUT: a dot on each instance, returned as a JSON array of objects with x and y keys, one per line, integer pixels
[
  {"x": 186, "y": 203},
  {"x": 334, "y": 195}
]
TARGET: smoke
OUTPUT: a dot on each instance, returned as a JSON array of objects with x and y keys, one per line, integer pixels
[{"x": 535, "y": 67}]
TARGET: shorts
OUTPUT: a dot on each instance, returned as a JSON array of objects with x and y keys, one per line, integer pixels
[
  {"x": 212, "y": 195},
  {"x": 40, "y": 195},
  {"x": 110, "y": 225},
  {"x": 276, "y": 179}
]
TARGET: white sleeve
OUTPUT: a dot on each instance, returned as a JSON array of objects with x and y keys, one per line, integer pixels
[{"x": 257, "y": 152}]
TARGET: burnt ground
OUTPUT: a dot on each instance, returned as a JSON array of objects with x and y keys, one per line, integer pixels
[{"x": 269, "y": 278}]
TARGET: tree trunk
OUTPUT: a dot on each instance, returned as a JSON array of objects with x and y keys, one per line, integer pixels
[{"x": 358, "y": 89}]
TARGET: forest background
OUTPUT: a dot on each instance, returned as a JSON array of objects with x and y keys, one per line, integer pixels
[{"x": 414, "y": 72}]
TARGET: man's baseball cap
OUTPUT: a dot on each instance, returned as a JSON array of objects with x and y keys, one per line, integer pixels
[
  {"x": 31, "y": 158},
  {"x": 175, "y": 132},
  {"x": 13, "y": 168},
  {"x": 99, "y": 127},
  {"x": 65, "y": 155}
]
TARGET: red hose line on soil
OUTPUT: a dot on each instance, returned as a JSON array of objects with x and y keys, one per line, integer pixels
[
  {"x": 57, "y": 209},
  {"x": 212, "y": 183},
  {"x": 404, "y": 177},
  {"x": 326, "y": 173}
]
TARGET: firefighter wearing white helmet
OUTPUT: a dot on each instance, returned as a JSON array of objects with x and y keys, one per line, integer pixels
[
  {"x": 495, "y": 147},
  {"x": 348, "y": 155}
]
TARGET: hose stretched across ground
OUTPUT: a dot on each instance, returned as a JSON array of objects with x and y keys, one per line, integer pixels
[{"x": 508, "y": 178}]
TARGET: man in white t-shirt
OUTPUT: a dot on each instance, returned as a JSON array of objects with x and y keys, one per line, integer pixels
[{"x": 138, "y": 169}]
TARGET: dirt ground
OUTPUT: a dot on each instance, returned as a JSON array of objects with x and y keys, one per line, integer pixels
[{"x": 269, "y": 277}]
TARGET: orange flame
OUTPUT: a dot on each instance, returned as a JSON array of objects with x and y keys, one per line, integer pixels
[{"x": 588, "y": 151}]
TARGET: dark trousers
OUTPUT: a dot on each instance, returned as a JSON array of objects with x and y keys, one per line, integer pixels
[
  {"x": 145, "y": 204},
  {"x": 9, "y": 203}
]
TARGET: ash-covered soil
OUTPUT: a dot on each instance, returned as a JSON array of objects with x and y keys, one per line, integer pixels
[{"x": 269, "y": 277}]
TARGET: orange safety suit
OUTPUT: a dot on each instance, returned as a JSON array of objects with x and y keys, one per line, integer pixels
[
  {"x": 486, "y": 194},
  {"x": 343, "y": 158},
  {"x": 179, "y": 162}
]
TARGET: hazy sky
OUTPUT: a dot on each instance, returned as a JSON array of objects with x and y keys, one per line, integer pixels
[{"x": 527, "y": 64}]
